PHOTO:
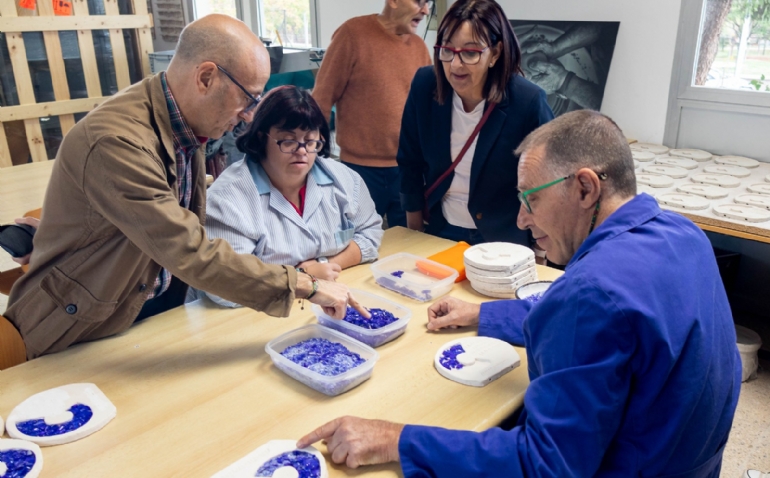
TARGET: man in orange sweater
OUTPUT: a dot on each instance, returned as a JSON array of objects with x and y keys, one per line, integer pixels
[{"x": 367, "y": 71}]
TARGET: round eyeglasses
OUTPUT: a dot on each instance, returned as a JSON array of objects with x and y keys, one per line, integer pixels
[
  {"x": 468, "y": 56},
  {"x": 292, "y": 146}
]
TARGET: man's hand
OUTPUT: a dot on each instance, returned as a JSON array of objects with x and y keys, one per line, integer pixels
[
  {"x": 29, "y": 221},
  {"x": 322, "y": 270},
  {"x": 451, "y": 312},
  {"x": 333, "y": 297},
  {"x": 356, "y": 441},
  {"x": 535, "y": 46},
  {"x": 549, "y": 75}
]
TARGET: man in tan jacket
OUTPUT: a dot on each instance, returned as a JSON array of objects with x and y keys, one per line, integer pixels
[{"x": 122, "y": 230}]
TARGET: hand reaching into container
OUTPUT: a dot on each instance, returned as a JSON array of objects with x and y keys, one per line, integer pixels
[
  {"x": 357, "y": 441},
  {"x": 451, "y": 312},
  {"x": 333, "y": 297}
]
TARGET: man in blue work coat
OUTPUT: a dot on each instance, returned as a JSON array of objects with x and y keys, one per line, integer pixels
[{"x": 632, "y": 359}]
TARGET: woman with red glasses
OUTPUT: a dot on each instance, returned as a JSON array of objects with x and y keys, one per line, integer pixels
[{"x": 462, "y": 120}]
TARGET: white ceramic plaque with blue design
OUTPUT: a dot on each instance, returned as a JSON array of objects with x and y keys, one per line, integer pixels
[
  {"x": 61, "y": 415},
  {"x": 20, "y": 459},
  {"x": 476, "y": 361},
  {"x": 278, "y": 459}
]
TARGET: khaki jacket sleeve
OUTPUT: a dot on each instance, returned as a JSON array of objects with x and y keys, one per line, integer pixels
[
  {"x": 336, "y": 68},
  {"x": 127, "y": 185}
]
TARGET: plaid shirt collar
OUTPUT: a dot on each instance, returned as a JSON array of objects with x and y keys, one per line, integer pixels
[{"x": 184, "y": 137}]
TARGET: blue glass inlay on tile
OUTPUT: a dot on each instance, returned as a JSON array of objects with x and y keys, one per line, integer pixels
[
  {"x": 37, "y": 427},
  {"x": 448, "y": 358},
  {"x": 306, "y": 464},
  {"x": 380, "y": 318},
  {"x": 397, "y": 274},
  {"x": 535, "y": 298},
  {"x": 18, "y": 462},
  {"x": 323, "y": 356}
]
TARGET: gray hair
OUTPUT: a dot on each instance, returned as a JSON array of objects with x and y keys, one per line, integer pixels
[{"x": 585, "y": 139}]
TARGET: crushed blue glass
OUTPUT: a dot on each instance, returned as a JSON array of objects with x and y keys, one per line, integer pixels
[
  {"x": 380, "y": 318},
  {"x": 306, "y": 464},
  {"x": 534, "y": 298},
  {"x": 37, "y": 427},
  {"x": 397, "y": 274},
  {"x": 448, "y": 358},
  {"x": 18, "y": 462},
  {"x": 394, "y": 286},
  {"x": 323, "y": 356}
]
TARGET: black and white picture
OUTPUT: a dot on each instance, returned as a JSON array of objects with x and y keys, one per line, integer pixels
[{"x": 569, "y": 60}]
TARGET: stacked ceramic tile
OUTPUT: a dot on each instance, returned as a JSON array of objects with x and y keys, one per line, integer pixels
[{"x": 497, "y": 269}]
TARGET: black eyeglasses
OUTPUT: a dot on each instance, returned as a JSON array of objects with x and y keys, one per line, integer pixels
[
  {"x": 291, "y": 145},
  {"x": 253, "y": 101}
]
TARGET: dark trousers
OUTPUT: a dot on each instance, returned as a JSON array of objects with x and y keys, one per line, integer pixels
[
  {"x": 384, "y": 186},
  {"x": 173, "y": 297},
  {"x": 457, "y": 233}
]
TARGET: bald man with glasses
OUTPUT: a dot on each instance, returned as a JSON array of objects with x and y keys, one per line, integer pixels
[{"x": 122, "y": 233}]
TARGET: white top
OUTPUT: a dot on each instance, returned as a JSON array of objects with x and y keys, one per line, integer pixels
[
  {"x": 454, "y": 205},
  {"x": 246, "y": 210}
]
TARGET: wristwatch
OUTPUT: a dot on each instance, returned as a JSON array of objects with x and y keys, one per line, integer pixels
[{"x": 322, "y": 260}]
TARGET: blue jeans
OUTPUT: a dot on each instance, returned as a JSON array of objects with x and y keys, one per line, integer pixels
[{"x": 384, "y": 186}]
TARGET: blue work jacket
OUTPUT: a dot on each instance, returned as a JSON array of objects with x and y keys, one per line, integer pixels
[
  {"x": 424, "y": 155},
  {"x": 632, "y": 360}
]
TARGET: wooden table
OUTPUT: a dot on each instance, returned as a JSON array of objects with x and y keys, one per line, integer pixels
[
  {"x": 22, "y": 188},
  {"x": 195, "y": 390}
]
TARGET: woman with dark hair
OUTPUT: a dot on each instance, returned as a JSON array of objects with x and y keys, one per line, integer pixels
[
  {"x": 285, "y": 202},
  {"x": 462, "y": 121}
]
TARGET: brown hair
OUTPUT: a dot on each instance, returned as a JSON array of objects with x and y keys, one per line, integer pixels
[
  {"x": 490, "y": 25},
  {"x": 585, "y": 139}
]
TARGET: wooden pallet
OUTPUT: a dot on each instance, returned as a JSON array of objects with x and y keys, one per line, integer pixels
[{"x": 15, "y": 20}]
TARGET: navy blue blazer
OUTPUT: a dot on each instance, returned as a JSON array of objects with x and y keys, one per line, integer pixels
[{"x": 424, "y": 154}]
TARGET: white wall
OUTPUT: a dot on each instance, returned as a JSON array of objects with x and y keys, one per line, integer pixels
[{"x": 640, "y": 75}]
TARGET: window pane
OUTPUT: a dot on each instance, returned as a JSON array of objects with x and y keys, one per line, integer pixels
[
  {"x": 226, "y": 7},
  {"x": 289, "y": 19},
  {"x": 734, "y": 50}
]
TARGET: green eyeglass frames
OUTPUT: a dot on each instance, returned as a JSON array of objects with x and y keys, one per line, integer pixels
[{"x": 523, "y": 195}]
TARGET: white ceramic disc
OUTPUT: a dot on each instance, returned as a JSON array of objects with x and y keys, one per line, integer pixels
[
  {"x": 498, "y": 256},
  {"x": 670, "y": 171},
  {"x": 737, "y": 171},
  {"x": 683, "y": 163},
  {"x": 526, "y": 291},
  {"x": 643, "y": 156},
  {"x": 502, "y": 273},
  {"x": 649, "y": 148},
  {"x": 61, "y": 415},
  {"x": 505, "y": 280},
  {"x": 722, "y": 180},
  {"x": 705, "y": 190},
  {"x": 487, "y": 287},
  {"x": 767, "y": 178},
  {"x": 16, "y": 459},
  {"x": 761, "y": 188},
  {"x": 476, "y": 361},
  {"x": 757, "y": 200},
  {"x": 683, "y": 201},
  {"x": 655, "y": 180},
  {"x": 694, "y": 154},
  {"x": 636, "y": 164},
  {"x": 643, "y": 188},
  {"x": 737, "y": 161},
  {"x": 269, "y": 456},
  {"x": 742, "y": 212},
  {"x": 494, "y": 294}
]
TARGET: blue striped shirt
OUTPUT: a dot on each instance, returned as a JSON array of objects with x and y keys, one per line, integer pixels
[{"x": 246, "y": 210}]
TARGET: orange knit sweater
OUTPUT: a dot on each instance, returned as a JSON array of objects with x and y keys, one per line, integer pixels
[{"x": 367, "y": 72}]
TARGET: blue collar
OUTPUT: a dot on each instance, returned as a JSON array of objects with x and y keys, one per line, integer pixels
[
  {"x": 632, "y": 214},
  {"x": 262, "y": 181}
]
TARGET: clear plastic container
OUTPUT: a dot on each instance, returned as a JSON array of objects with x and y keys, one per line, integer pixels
[
  {"x": 411, "y": 280},
  {"x": 371, "y": 337},
  {"x": 331, "y": 386}
]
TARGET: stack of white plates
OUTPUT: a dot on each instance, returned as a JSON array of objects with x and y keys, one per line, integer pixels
[{"x": 497, "y": 269}]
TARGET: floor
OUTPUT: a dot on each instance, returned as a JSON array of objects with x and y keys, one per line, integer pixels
[{"x": 749, "y": 445}]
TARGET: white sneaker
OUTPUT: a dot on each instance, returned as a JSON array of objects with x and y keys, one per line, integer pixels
[{"x": 755, "y": 474}]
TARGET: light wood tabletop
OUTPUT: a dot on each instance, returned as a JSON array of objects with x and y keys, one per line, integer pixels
[
  {"x": 195, "y": 390},
  {"x": 22, "y": 189}
]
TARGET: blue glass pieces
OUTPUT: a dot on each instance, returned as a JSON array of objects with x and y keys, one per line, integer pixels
[
  {"x": 323, "y": 356},
  {"x": 449, "y": 357},
  {"x": 18, "y": 462},
  {"x": 306, "y": 464},
  {"x": 380, "y": 318},
  {"x": 397, "y": 274},
  {"x": 535, "y": 298},
  {"x": 37, "y": 427}
]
